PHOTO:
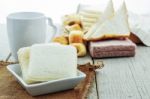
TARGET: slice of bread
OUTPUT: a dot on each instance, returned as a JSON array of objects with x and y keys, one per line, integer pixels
[
  {"x": 76, "y": 37},
  {"x": 44, "y": 62},
  {"x": 107, "y": 14},
  {"x": 23, "y": 57},
  {"x": 115, "y": 27},
  {"x": 52, "y": 61}
]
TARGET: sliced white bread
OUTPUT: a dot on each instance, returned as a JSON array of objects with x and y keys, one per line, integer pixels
[
  {"x": 115, "y": 27},
  {"x": 23, "y": 57},
  {"x": 88, "y": 15},
  {"x": 107, "y": 14},
  {"x": 44, "y": 62}
]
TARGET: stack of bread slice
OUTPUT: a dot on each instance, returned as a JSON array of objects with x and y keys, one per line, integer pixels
[
  {"x": 111, "y": 25},
  {"x": 107, "y": 14},
  {"x": 89, "y": 16}
]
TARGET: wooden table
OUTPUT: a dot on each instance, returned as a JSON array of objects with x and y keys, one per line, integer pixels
[{"x": 121, "y": 78}]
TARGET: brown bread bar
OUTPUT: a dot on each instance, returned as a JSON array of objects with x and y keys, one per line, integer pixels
[{"x": 112, "y": 48}]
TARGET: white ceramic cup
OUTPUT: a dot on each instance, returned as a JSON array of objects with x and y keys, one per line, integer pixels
[{"x": 25, "y": 29}]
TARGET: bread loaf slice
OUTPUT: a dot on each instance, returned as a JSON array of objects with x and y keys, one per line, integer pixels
[
  {"x": 44, "y": 62},
  {"x": 107, "y": 14},
  {"x": 115, "y": 27}
]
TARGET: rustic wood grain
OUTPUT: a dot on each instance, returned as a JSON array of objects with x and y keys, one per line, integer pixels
[
  {"x": 140, "y": 68},
  {"x": 85, "y": 59},
  {"x": 125, "y": 78},
  {"x": 93, "y": 94}
]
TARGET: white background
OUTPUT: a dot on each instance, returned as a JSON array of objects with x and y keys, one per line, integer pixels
[{"x": 56, "y": 8}]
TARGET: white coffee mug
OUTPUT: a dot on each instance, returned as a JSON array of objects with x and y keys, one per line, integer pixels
[{"x": 25, "y": 29}]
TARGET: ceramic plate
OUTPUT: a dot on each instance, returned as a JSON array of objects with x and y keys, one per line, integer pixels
[{"x": 45, "y": 87}]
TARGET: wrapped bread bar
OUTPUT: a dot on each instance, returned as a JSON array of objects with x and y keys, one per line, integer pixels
[{"x": 112, "y": 48}]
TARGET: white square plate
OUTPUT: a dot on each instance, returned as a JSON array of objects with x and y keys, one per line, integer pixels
[{"x": 45, "y": 87}]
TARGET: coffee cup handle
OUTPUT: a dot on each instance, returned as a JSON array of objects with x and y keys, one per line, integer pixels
[{"x": 51, "y": 24}]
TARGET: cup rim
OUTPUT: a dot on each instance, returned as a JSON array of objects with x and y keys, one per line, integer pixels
[{"x": 25, "y": 15}]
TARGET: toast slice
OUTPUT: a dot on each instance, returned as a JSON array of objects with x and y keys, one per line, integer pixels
[
  {"x": 115, "y": 27},
  {"x": 23, "y": 57},
  {"x": 108, "y": 13},
  {"x": 44, "y": 62}
]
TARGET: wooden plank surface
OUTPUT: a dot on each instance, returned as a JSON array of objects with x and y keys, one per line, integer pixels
[
  {"x": 140, "y": 68},
  {"x": 93, "y": 94},
  {"x": 84, "y": 60},
  {"x": 125, "y": 78}
]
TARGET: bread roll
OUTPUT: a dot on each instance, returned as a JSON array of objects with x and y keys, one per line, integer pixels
[
  {"x": 61, "y": 39},
  {"x": 73, "y": 27},
  {"x": 76, "y": 37},
  {"x": 81, "y": 49},
  {"x": 71, "y": 19}
]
